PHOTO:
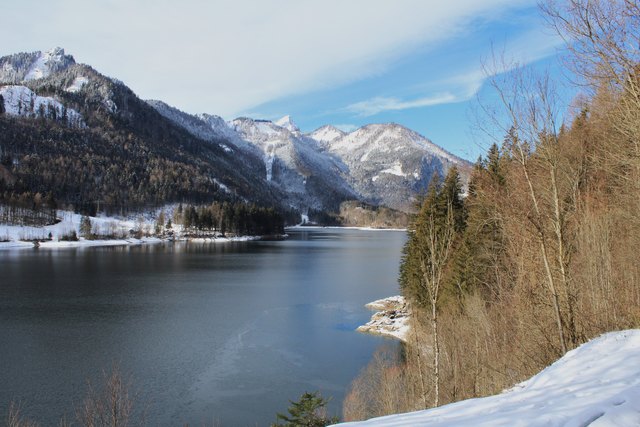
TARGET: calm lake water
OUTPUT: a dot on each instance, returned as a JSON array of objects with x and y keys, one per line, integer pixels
[{"x": 222, "y": 334}]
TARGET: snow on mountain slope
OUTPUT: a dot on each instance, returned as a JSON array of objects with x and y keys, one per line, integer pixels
[
  {"x": 23, "y": 67},
  {"x": 208, "y": 127},
  {"x": 77, "y": 84},
  {"x": 385, "y": 164},
  {"x": 287, "y": 123},
  {"x": 597, "y": 385},
  {"x": 326, "y": 134},
  {"x": 294, "y": 163},
  {"x": 390, "y": 164},
  {"x": 22, "y": 101}
]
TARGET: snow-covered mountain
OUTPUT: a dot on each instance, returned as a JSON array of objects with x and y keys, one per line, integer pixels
[
  {"x": 22, "y": 101},
  {"x": 23, "y": 67},
  {"x": 389, "y": 164},
  {"x": 383, "y": 164},
  {"x": 326, "y": 134},
  {"x": 597, "y": 384},
  {"x": 287, "y": 123},
  {"x": 380, "y": 164},
  {"x": 140, "y": 156},
  {"x": 312, "y": 178}
]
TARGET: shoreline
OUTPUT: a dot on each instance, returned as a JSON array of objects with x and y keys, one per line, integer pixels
[
  {"x": 391, "y": 318},
  {"x": 339, "y": 227},
  {"x": 18, "y": 237},
  {"x": 83, "y": 243}
]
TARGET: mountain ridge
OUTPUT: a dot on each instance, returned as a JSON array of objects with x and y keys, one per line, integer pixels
[{"x": 272, "y": 162}]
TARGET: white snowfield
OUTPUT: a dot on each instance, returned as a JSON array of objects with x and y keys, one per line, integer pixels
[
  {"x": 596, "y": 385},
  {"x": 22, "y": 101},
  {"x": 42, "y": 66},
  {"x": 21, "y": 237}
]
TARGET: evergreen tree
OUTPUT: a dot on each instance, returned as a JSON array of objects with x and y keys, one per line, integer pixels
[
  {"x": 451, "y": 197},
  {"x": 2, "y": 109},
  {"x": 309, "y": 411},
  {"x": 493, "y": 164},
  {"x": 86, "y": 227}
]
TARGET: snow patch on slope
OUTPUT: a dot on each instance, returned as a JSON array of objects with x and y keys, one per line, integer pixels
[
  {"x": 44, "y": 64},
  {"x": 22, "y": 101},
  {"x": 77, "y": 84},
  {"x": 326, "y": 134},
  {"x": 395, "y": 169},
  {"x": 597, "y": 384}
]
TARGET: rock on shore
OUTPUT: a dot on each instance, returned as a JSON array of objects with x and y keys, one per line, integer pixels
[{"x": 391, "y": 318}]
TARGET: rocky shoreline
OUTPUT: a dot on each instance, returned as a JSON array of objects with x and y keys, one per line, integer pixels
[{"x": 390, "y": 319}]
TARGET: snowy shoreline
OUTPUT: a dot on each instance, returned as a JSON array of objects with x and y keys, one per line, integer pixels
[
  {"x": 390, "y": 319},
  {"x": 336, "y": 227},
  {"x": 53, "y": 236}
]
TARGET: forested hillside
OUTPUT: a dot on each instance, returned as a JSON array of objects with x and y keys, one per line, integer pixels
[
  {"x": 541, "y": 255},
  {"x": 126, "y": 157}
]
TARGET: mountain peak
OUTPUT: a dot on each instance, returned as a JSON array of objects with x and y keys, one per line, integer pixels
[
  {"x": 327, "y": 133},
  {"x": 287, "y": 123},
  {"x": 21, "y": 67}
]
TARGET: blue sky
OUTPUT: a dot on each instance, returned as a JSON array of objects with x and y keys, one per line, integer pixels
[{"x": 341, "y": 62}]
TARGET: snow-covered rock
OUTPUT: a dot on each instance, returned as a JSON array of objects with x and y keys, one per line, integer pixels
[
  {"x": 597, "y": 385},
  {"x": 22, "y": 101},
  {"x": 287, "y": 123},
  {"x": 391, "y": 318}
]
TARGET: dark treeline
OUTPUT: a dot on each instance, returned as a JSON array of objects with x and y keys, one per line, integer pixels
[
  {"x": 27, "y": 209},
  {"x": 231, "y": 218}
]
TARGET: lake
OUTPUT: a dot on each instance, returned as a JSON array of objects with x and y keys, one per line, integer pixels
[{"x": 219, "y": 334}]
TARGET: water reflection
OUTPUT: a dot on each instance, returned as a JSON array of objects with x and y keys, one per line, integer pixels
[{"x": 201, "y": 326}]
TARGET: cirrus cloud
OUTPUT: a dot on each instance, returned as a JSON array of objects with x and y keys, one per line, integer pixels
[{"x": 227, "y": 57}]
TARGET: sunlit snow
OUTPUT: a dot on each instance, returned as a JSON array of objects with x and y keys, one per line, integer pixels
[
  {"x": 77, "y": 84},
  {"x": 596, "y": 385}
]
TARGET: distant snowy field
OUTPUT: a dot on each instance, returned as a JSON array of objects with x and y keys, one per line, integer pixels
[
  {"x": 16, "y": 237},
  {"x": 596, "y": 385}
]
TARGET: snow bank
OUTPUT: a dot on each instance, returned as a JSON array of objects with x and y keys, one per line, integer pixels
[
  {"x": 597, "y": 385},
  {"x": 16, "y": 236}
]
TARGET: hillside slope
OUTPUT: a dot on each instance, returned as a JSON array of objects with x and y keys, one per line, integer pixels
[
  {"x": 89, "y": 140},
  {"x": 597, "y": 384}
]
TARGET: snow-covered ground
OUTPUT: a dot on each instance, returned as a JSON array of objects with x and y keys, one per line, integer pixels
[
  {"x": 391, "y": 318},
  {"x": 596, "y": 385},
  {"x": 22, "y": 236},
  {"x": 16, "y": 237}
]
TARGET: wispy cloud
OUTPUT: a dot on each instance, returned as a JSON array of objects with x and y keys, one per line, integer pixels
[
  {"x": 454, "y": 89},
  {"x": 225, "y": 57},
  {"x": 527, "y": 48},
  {"x": 373, "y": 106}
]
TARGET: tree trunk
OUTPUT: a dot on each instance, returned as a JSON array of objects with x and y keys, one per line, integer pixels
[{"x": 436, "y": 354}]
